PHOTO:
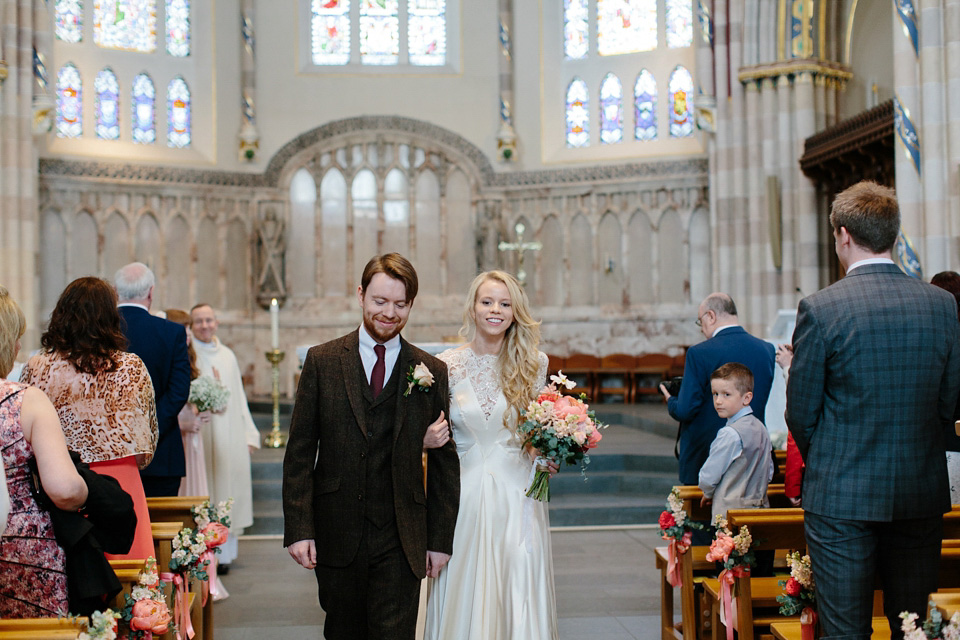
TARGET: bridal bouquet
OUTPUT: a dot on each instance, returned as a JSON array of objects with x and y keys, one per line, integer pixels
[
  {"x": 207, "y": 394},
  {"x": 562, "y": 428}
]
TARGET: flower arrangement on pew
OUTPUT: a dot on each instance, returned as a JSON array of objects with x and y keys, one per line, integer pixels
[
  {"x": 562, "y": 428},
  {"x": 678, "y": 529},
  {"x": 933, "y": 628},
  {"x": 799, "y": 594},
  {"x": 188, "y": 560},
  {"x": 146, "y": 612},
  {"x": 214, "y": 524},
  {"x": 102, "y": 626},
  {"x": 735, "y": 552}
]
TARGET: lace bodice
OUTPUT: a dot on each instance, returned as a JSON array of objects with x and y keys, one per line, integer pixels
[{"x": 463, "y": 363}]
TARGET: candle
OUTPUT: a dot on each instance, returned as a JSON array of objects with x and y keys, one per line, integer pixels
[{"x": 274, "y": 324}]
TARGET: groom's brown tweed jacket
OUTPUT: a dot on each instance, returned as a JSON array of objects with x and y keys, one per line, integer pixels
[{"x": 324, "y": 500}]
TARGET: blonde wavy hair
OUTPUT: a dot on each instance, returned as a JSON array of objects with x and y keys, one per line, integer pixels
[
  {"x": 519, "y": 360},
  {"x": 12, "y": 326}
]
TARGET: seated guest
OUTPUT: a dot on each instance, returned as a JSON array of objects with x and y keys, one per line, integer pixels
[
  {"x": 739, "y": 467},
  {"x": 33, "y": 582},
  {"x": 103, "y": 395},
  {"x": 192, "y": 421}
]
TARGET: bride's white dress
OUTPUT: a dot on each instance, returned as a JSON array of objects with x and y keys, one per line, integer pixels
[{"x": 498, "y": 584}]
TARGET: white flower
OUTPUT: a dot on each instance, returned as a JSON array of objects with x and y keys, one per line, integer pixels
[
  {"x": 561, "y": 381},
  {"x": 422, "y": 375}
]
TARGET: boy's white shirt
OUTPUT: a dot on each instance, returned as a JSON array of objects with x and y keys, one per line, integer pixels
[{"x": 726, "y": 447}]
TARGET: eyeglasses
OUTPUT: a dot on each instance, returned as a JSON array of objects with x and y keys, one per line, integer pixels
[{"x": 699, "y": 321}]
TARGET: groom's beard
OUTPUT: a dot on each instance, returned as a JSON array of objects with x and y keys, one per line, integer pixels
[{"x": 377, "y": 332}]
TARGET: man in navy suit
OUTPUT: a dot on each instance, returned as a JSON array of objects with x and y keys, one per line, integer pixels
[
  {"x": 692, "y": 407},
  {"x": 873, "y": 386},
  {"x": 162, "y": 345}
]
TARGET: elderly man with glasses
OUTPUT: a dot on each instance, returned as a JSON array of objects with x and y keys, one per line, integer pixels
[{"x": 726, "y": 341}]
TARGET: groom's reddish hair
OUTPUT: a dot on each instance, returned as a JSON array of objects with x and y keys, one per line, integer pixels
[{"x": 395, "y": 266}]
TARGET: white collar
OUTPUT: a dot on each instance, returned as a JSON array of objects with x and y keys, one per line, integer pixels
[
  {"x": 366, "y": 340},
  {"x": 863, "y": 263},
  {"x": 719, "y": 329},
  {"x": 133, "y": 304}
]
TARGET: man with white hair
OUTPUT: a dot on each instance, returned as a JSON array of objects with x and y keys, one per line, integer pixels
[{"x": 162, "y": 345}]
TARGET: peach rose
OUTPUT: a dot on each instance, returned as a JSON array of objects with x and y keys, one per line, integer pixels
[
  {"x": 215, "y": 534},
  {"x": 721, "y": 548},
  {"x": 150, "y": 615},
  {"x": 567, "y": 406},
  {"x": 594, "y": 439}
]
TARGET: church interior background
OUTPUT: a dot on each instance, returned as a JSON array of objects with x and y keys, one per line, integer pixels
[{"x": 248, "y": 150}]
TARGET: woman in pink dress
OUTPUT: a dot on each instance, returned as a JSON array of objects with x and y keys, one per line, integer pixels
[
  {"x": 103, "y": 394},
  {"x": 194, "y": 483},
  {"x": 33, "y": 582}
]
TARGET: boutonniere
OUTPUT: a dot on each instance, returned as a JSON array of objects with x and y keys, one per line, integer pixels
[{"x": 420, "y": 377}]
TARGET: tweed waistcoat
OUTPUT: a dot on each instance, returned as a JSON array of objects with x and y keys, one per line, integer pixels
[
  {"x": 379, "y": 420},
  {"x": 744, "y": 484}
]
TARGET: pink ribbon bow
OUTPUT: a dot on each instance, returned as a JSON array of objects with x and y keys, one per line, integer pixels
[
  {"x": 675, "y": 549},
  {"x": 727, "y": 578},
  {"x": 181, "y": 611}
]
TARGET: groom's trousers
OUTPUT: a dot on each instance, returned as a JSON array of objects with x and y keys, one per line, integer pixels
[{"x": 376, "y": 596}]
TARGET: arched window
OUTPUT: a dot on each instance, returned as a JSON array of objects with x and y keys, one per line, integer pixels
[
  {"x": 128, "y": 26},
  {"x": 178, "y": 28},
  {"x": 626, "y": 26},
  {"x": 69, "y": 20},
  {"x": 611, "y": 110},
  {"x": 681, "y": 103},
  {"x": 178, "y": 114},
  {"x": 108, "y": 105},
  {"x": 645, "y": 106},
  {"x": 576, "y": 34},
  {"x": 578, "y": 114},
  {"x": 679, "y": 23},
  {"x": 144, "y": 110},
  {"x": 380, "y": 27},
  {"x": 69, "y": 102}
]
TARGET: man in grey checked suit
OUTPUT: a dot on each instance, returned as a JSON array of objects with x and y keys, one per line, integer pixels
[{"x": 871, "y": 395}]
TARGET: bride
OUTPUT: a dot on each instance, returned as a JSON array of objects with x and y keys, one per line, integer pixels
[{"x": 499, "y": 582}]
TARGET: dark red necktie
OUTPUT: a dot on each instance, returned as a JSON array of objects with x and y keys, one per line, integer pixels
[{"x": 376, "y": 378}]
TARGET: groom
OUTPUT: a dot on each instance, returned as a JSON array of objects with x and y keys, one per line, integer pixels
[{"x": 354, "y": 505}]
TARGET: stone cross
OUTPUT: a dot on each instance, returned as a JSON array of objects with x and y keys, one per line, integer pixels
[{"x": 520, "y": 246}]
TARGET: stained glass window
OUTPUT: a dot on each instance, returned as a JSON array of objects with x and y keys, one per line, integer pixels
[
  {"x": 379, "y": 32},
  {"x": 69, "y": 103},
  {"x": 178, "y": 114},
  {"x": 578, "y": 114},
  {"x": 330, "y": 25},
  {"x": 108, "y": 103},
  {"x": 427, "y": 32},
  {"x": 679, "y": 23},
  {"x": 129, "y": 25},
  {"x": 178, "y": 28},
  {"x": 626, "y": 26},
  {"x": 681, "y": 103},
  {"x": 611, "y": 110},
  {"x": 576, "y": 36},
  {"x": 144, "y": 110},
  {"x": 645, "y": 106},
  {"x": 69, "y": 20}
]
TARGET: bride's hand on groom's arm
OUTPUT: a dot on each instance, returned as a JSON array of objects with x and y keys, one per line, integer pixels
[
  {"x": 438, "y": 434},
  {"x": 304, "y": 552},
  {"x": 435, "y": 562}
]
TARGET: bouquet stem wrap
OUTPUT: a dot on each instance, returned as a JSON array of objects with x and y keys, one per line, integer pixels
[
  {"x": 808, "y": 624},
  {"x": 540, "y": 487},
  {"x": 181, "y": 610},
  {"x": 727, "y": 579},
  {"x": 675, "y": 549}
]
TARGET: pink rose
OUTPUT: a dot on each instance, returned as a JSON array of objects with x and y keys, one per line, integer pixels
[
  {"x": 667, "y": 520},
  {"x": 721, "y": 548},
  {"x": 215, "y": 534},
  {"x": 594, "y": 438},
  {"x": 150, "y": 615},
  {"x": 547, "y": 397}
]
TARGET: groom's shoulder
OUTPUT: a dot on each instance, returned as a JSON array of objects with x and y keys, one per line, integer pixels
[
  {"x": 433, "y": 362},
  {"x": 330, "y": 348}
]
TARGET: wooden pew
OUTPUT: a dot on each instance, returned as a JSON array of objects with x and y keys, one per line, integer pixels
[
  {"x": 787, "y": 629},
  {"x": 174, "y": 509},
  {"x": 42, "y": 628}
]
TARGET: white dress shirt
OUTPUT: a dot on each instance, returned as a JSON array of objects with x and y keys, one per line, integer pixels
[
  {"x": 725, "y": 448},
  {"x": 863, "y": 263},
  {"x": 369, "y": 357}
]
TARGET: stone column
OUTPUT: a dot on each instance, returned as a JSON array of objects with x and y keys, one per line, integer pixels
[
  {"x": 906, "y": 82},
  {"x": 249, "y": 137}
]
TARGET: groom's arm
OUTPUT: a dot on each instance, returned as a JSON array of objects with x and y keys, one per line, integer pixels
[
  {"x": 443, "y": 482},
  {"x": 298, "y": 461}
]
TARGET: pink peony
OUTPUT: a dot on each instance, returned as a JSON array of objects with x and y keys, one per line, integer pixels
[
  {"x": 567, "y": 406},
  {"x": 667, "y": 520},
  {"x": 721, "y": 548},
  {"x": 793, "y": 588},
  {"x": 150, "y": 615},
  {"x": 215, "y": 534}
]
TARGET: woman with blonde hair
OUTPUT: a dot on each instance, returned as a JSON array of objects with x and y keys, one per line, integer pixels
[
  {"x": 33, "y": 579},
  {"x": 499, "y": 581}
]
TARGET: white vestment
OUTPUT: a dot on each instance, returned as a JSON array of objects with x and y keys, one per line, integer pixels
[{"x": 226, "y": 438}]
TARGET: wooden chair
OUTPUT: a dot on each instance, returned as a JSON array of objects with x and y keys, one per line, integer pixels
[
  {"x": 582, "y": 369},
  {"x": 555, "y": 364},
  {"x": 615, "y": 376},
  {"x": 650, "y": 371}
]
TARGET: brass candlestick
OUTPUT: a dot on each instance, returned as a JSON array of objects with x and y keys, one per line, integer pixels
[{"x": 275, "y": 439}]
